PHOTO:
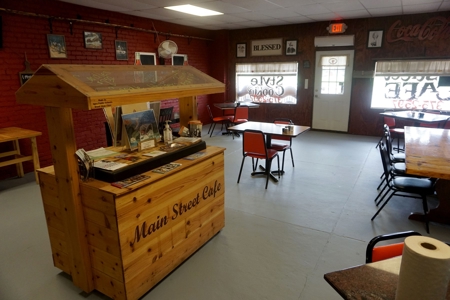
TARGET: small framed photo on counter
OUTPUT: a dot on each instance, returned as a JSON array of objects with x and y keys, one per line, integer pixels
[
  {"x": 241, "y": 50},
  {"x": 375, "y": 39},
  {"x": 291, "y": 47}
]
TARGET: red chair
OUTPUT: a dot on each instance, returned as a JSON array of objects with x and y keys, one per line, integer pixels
[
  {"x": 282, "y": 142},
  {"x": 224, "y": 120},
  {"x": 396, "y": 132},
  {"x": 374, "y": 254},
  {"x": 254, "y": 146},
  {"x": 240, "y": 116}
]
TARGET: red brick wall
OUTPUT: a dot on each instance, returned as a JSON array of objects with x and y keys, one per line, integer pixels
[{"x": 27, "y": 34}]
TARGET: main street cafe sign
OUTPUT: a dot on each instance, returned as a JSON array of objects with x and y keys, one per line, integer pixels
[{"x": 267, "y": 47}]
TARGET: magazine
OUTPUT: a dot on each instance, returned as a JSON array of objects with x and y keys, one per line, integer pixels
[
  {"x": 166, "y": 168},
  {"x": 130, "y": 181},
  {"x": 140, "y": 127},
  {"x": 195, "y": 155}
]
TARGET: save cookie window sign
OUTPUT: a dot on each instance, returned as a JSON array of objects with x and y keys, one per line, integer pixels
[{"x": 267, "y": 47}]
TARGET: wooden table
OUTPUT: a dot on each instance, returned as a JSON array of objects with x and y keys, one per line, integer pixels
[
  {"x": 372, "y": 281},
  {"x": 269, "y": 129},
  {"x": 427, "y": 152},
  {"x": 14, "y": 134},
  {"x": 417, "y": 117}
]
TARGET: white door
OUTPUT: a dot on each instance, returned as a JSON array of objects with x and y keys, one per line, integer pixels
[{"x": 332, "y": 90}]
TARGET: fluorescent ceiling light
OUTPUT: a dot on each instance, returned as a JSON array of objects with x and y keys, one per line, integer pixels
[{"x": 194, "y": 10}]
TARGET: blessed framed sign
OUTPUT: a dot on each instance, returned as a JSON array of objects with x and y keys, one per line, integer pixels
[{"x": 267, "y": 47}]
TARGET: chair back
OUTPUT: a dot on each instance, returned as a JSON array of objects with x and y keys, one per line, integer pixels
[
  {"x": 254, "y": 143},
  {"x": 389, "y": 121},
  {"x": 211, "y": 116},
  {"x": 241, "y": 113},
  {"x": 388, "y": 139},
  {"x": 286, "y": 122},
  {"x": 374, "y": 254},
  {"x": 385, "y": 161}
]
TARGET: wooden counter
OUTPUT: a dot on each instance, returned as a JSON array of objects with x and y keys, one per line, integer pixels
[
  {"x": 138, "y": 235},
  {"x": 123, "y": 242}
]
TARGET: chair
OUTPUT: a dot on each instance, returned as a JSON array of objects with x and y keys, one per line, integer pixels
[
  {"x": 395, "y": 131},
  {"x": 240, "y": 116},
  {"x": 214, "y": 120},
  {"x": 283, "y": 146},
  {"x": 254, "y": 146},
  {"x": 404, "y": 186},
  {"x": 374, "y": 254},
  {"x": 164, "y": 115}
]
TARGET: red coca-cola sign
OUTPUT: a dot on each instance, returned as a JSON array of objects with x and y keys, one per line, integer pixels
[{"x": 434, "y": 28}]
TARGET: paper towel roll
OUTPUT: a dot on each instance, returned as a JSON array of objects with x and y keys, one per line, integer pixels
[{"x": 425, "y": 269}]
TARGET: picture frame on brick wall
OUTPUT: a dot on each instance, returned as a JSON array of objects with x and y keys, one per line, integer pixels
[
  {"x": 93, "y": 40},
  {"x": 56, "y": 46},
  {"x": 121, "y": 50}
]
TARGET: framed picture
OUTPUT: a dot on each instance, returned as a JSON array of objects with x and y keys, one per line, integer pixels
[
  {"x": 375, "y": 39},
  {"x": 291, "y": 47},
  {"x": 121, "y": 50},
  {"x": 93, "y": 40},
  {"x": 56, "y": 46},
  {"x": 241, "y": 50}
]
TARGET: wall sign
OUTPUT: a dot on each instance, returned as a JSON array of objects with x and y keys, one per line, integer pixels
[
  {"x": 437, "y": 27},
  {"x": 267, "y": 88},
  {"x": 267, "y": 47},
  {"x": 411, "y": 92}
]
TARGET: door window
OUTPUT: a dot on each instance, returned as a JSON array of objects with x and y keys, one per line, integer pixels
[{"x": 333, "y": 74}]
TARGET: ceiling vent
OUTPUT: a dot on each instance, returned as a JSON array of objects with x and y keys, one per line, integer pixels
[{"x": 334, "y": 40}]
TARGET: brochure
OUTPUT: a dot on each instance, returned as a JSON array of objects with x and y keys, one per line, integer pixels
[
  {"x": 130, "y": 181},
  {"x": 166, "y": 168}
]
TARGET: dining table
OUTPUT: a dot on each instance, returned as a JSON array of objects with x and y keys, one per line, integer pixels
[
  {"x": 233, "y": 105},
  {"x": 270, "y": 129},
  {"x": 427, "y": 153},
  {"x": 372, "y": 281},
  {"x": 418, "y": 117}
]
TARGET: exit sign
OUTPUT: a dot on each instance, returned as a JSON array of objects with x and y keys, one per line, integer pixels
[{"x": 337, "y": 28}]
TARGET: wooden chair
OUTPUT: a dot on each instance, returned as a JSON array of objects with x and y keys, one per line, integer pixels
[
  {"x": 282, "y": 143},
  {"x": 224, "y": 120},
  {"x": 411, "y": 187},
  {"x": 254, "y": 146},
  {"x": 374, "y": 253}
]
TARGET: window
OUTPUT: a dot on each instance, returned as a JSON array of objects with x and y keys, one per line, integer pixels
[
  {"x": 412, "y": 84},
  {"x": 267, "y": 82},
  {"x": 333, "y": 74}
]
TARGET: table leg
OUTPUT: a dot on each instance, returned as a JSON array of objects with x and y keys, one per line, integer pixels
[
  {"x": 440, "y": 214},
  {"x": 19, "y": 166},
  {"x": 35, "y": 155}
]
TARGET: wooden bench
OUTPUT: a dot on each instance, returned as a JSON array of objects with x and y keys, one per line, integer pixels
[{"x": 14, "y": 134}]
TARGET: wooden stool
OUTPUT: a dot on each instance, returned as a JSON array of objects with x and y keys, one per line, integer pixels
[{"x": 14, "y": 134}]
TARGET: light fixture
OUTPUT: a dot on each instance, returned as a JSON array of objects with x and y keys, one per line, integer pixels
[{"x": 194, "y": 10}]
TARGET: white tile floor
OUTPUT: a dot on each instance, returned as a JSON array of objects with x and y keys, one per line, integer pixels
[{"x": 276, "y": 244}]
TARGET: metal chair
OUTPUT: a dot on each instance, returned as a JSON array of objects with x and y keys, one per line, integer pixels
[
  {"x": 404, "y": 186},
  {"x": 374, "y": 253},
  {"x": 254, "y": 146},
  {"x": 224, "y": 120},
  {"x": 240, "y": 116},
  {"x": 396, "y": 132},
  {"x": 282, "y": 143}
]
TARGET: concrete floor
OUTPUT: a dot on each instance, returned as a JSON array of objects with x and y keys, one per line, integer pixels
[{"x": 277, "y": 243}]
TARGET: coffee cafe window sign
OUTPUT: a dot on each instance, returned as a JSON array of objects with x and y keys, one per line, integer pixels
[
  {"x": 267, "y": 83},
  {"x": 416, "y": 84}
]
